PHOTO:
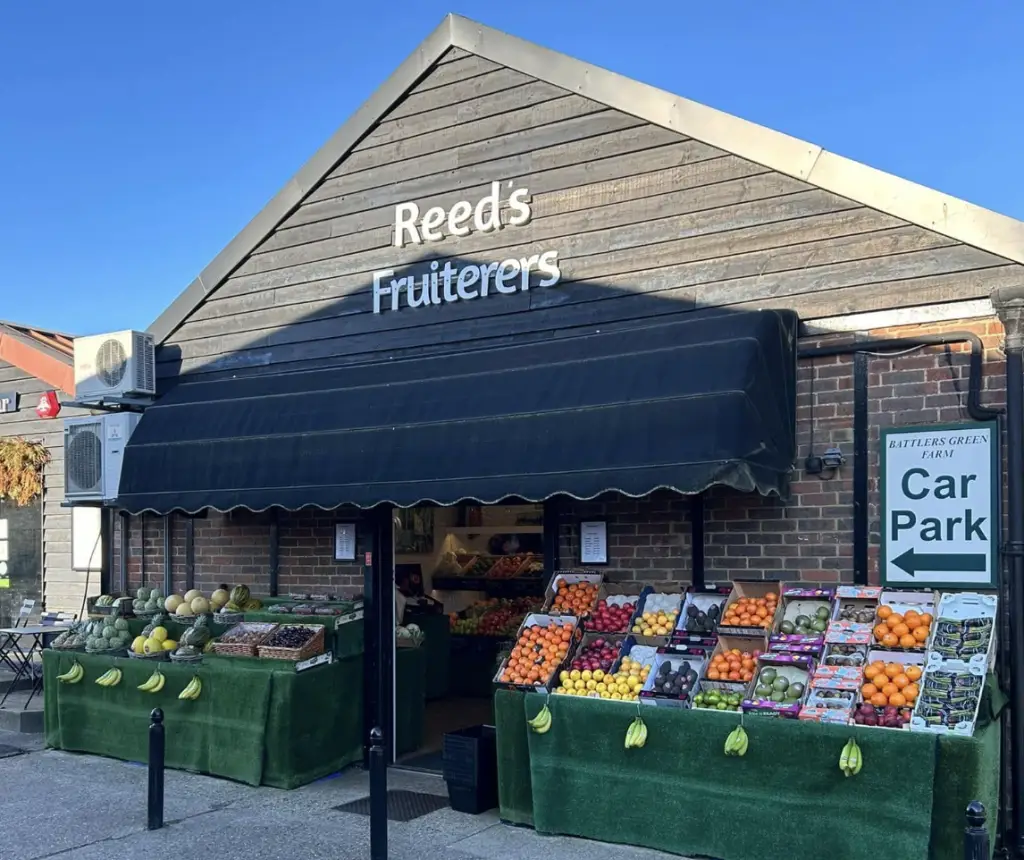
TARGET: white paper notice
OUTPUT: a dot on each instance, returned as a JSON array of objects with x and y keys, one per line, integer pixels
[
  {"x": 3, "y": 529},
  {"x": 344, "y": 541},
  {"x": 594, "y": 543}
]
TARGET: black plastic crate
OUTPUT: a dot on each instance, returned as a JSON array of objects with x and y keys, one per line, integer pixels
[{"x": 470, "y": 768}]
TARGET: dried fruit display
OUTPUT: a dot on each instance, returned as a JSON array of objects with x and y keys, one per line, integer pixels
[{"x": 291, "y": 636}]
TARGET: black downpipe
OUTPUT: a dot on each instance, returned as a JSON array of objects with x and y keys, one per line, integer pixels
[
  {"x": 126, "y": 539},
  {"x": 142, "y": 547},
  {"x": 385, "y": 575},
  {"x": 106, "y": 550},
  {"x": 860, "y": 468},
  {"x": 275, "y": 552},
  {"x": 168, "y": 560},
  {"x": 190, "y": 553},
  {"x": 974, "y": 407},
  {"x": 1014, "y": 551},
  {"x": 697, "y": 542}
]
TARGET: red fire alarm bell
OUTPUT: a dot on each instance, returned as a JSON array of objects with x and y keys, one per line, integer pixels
[{"x": 48, "y": 406}]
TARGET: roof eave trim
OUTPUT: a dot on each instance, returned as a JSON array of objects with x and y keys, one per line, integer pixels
[
  {"x": 51, "y": 369},
  {"x": 412, "y": 69}
]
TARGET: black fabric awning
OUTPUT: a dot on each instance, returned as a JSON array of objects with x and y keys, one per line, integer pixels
[{"x": 707, "y": 399}]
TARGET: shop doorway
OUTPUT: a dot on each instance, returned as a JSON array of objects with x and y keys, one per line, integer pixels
[{"x": 465, "y": 577}]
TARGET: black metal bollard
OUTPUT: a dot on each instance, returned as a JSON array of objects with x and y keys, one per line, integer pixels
[
  {"x": 155, "y": 798},
  {"x": 378, "y": 797},
  {"x": 976, "y": 844}
]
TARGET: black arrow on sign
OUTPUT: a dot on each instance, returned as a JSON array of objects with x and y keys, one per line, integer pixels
[{"x": 911, "y": 562}]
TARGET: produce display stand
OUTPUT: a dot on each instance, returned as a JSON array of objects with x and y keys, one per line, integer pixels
[
  {"x": 785, "y": 798},
  {"x": 256, "y": 721}
]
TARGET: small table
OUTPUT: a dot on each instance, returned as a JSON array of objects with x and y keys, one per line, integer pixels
[{"x": 13, "y": 654}]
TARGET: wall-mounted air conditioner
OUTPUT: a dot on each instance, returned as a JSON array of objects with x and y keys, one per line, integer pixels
[
  {"x": 93, "y": 453},
  {"x": 112, "y": 366}
]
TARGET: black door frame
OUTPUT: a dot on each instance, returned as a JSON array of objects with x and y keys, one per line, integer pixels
[{"x": 379, "y": 629}]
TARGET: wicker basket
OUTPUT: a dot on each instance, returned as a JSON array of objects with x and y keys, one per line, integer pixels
[
  {"x": 175, "y": 658},
  {"x": 225, "y": 646},
  {"x": 155, "y": 658},
  {"x": 110, "y": 652},
  {"x": 312, "y": 648},
  {"x": 225, "y": 618}
]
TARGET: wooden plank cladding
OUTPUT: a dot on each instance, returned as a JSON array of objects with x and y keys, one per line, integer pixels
[{"x": 645, "y": 222}]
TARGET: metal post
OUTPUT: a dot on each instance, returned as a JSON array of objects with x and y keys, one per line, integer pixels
[
  {"x": 976, "y": 845},
  {"x": 378, "y": 797},
  {"x": 1009, "y": 304},
  {"x": 156, "y": 770}
]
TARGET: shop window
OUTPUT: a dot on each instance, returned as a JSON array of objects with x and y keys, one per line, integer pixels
[
  {"x": 86, "y": 540},
  {"x": 21, "y": 556}
]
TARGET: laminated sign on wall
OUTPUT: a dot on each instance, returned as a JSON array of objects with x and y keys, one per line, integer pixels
[{"x": 940, "y": 506}]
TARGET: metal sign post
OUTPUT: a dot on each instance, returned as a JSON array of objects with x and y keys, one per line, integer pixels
[{"x": 940, "y": 506}]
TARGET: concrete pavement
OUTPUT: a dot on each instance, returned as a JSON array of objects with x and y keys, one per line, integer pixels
[{"x": 73, "y": 807}]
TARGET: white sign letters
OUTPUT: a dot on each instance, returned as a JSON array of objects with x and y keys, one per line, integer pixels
[{"x": 449, "y": 282}]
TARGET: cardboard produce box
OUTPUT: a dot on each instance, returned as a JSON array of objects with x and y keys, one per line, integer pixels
[
  {"x": 701, "y": 611},
  {"x": 802, "y": 620},
  {"x": 853, "y": 615},
  {"x": 569, "y": 578},
  {"x": 788, "y": 676},
  {"x": 743, "y": 593},
  {"x": 749, "y": 648},
  {"x": 538, "y": 620},
  {"x": 657, "y": 606},
  {"x": 625, "y": 597}
]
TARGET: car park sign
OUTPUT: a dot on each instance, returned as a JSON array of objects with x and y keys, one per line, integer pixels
[{"x": 940, "y": 522}]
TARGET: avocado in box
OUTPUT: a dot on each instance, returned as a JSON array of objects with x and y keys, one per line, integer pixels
[
  {"x": 780, "y": 686},
  {"x": 701, "y": 611},
  {"x": 801, "y": 623},
  {"x": 673, "y": 680},
  {"x": 750, "y": 609},
  {"x": 853, "y": 615},
  {"x": 826, "y": 705}
]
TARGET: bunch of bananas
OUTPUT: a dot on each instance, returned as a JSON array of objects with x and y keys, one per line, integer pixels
[
  {"x": 737, "y": 742},
  {"x": 72, "y": 675},
  {"x": 542, "y": 722},
  {"x": 110, "y": 678},
  {"x": 155, "y": 683},
  {"x": 636, "y": 734},
  {"x": 851, "y": 761},
  {"x": 192, "y": 691}
]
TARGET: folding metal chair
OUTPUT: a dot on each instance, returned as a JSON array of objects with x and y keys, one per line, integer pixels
[{"x": 8, "y": 643}]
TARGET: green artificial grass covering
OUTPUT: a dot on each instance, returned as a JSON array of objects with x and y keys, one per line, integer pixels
[
  {"x": 256, "y": 721},
  {"x": 221, "y": 733},
  {"x": 410, "y": 698},
  {"x": 515, "y": 790},
  {"x": 785, "y": 800}
]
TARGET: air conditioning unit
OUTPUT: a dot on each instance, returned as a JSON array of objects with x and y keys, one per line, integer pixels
[
  {"x": 112, "y": 366},
  {"x": 93, "y": 453}
]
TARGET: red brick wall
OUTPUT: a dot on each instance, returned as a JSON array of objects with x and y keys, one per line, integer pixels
[
  {"x": 235, "y": 549},
  {"x": 808, "y": 539}
]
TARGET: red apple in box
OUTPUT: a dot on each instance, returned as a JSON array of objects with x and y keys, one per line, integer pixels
[
  {"x": 610, "y": 617},
  {"x": 599, "y": 654}
]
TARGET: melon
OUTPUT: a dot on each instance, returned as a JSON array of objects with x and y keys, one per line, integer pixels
[
  {"x": 142, "y": 594},
  {"x": 192, "y": 594},
  {"x": 219, "y": 597},
  {"x": 184, "y": 611},
  {"x": 155, "y": 594},
  {"x": 152, "y": 646},
  {"x": 138, "y": 644},
  {"x": 200, "y": 605},
  {"x": 172, "y": 603},
  {"x": 239, "y": 595}
]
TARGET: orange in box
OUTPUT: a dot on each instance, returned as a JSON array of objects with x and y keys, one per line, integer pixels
[{"x": 751, "y": 609}]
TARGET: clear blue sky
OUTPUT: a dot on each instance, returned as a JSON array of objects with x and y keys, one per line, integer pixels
[{"x": 137, "y": 138}]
